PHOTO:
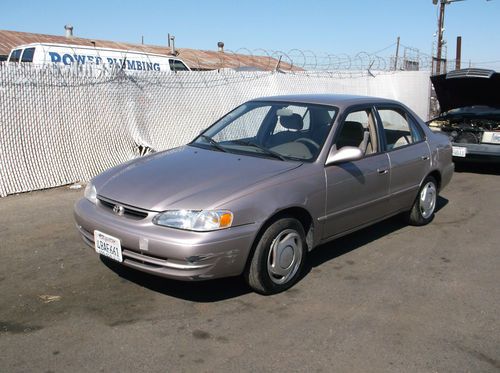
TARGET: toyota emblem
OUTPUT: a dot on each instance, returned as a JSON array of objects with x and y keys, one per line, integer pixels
[{"x": 118, "y": 209}]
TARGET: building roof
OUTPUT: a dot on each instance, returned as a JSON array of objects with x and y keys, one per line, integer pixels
[{"x": 194, "y": 58}]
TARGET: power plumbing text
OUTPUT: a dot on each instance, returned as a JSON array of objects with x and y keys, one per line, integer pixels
[{"x": 125, "y": 63}]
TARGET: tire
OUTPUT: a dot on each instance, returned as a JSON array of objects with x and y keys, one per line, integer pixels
[
  {"x": 279, "y": 257},
  {"x": 422, "y": 211}
]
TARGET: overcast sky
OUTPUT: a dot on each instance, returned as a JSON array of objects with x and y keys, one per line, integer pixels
[{"x": 322, "y": 26}]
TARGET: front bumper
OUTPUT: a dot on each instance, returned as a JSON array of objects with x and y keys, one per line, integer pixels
[
  {"x": 168, "y": 252},
  {"x": 479, "y": 152}
]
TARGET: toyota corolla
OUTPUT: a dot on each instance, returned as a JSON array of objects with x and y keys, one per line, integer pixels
[{"x": 264, "y": 185}]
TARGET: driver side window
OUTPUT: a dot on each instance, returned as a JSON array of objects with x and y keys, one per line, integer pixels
[{"x": 358, "y": 130}]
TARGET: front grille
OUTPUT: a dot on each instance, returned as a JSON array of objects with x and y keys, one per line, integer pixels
[{"x": 127, "y": 211}]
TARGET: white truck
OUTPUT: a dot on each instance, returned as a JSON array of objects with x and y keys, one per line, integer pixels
[{"x": 65, "y": 54}]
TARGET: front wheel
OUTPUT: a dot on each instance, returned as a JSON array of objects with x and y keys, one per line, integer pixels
[
  {"x": 278, "y": 258},
  {"x": 424, "y": 206}
]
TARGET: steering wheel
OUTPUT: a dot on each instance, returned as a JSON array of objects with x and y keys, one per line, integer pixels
[{"x": 306, "y": 141}]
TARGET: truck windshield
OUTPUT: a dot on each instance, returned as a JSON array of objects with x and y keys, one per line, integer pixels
[
  {"x": 28, "y": 55},
  {"x": 176, "y": 65}
]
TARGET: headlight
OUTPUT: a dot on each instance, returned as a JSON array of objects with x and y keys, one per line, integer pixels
[
  {"x": 195, "y": 220},
  {"x": 90, "y": 193}
]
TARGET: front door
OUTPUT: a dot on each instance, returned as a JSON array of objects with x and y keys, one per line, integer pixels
[{"x": 357, "y": 192}]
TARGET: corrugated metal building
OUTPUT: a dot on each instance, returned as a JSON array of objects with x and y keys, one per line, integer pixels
[{"x": 195, "y": 59}]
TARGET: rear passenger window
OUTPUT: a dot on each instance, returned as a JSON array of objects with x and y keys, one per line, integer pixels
[
  {"x": 15, "y": 56},
  {"x": 398, "y": 129},
  {"x": 28, "y": 55}
]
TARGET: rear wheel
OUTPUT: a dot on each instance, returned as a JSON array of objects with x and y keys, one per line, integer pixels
[
  {"x": 424, "y": 206},
  {"x": 278, "y": 258}
]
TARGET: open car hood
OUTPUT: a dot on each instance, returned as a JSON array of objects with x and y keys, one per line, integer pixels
[{"x": 467, "y": 87}]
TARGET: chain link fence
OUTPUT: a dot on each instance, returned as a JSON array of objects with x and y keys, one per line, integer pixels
[{"x": 62, "y": 125}]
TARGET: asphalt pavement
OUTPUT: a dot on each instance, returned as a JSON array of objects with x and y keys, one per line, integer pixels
[{"x": 389, "y": 298}]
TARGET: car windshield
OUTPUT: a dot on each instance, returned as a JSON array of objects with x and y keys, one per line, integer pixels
[{"x": 283, "y": 131}]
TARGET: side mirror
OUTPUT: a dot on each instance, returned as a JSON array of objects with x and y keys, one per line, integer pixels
[{"x": 344, "y": 154}]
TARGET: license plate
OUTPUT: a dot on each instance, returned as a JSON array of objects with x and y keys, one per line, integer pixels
[
  {"x": 108, "y": 246},
  {"x": 459, "y": 151}
]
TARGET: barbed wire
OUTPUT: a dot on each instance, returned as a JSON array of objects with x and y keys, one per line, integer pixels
[
  {"x": 409, "y": 59},
  {"x": 308, "y": 60},
  {"x": 294, "y": 60}
]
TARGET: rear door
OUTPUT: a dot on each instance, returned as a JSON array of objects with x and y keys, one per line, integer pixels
[
  {"x": 408, "y": 152},
  {"x": 357, "y": 192}
]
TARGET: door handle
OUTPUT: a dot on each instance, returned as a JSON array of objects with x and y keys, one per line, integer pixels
[
  {"x": 425, "y": 157},
  {"x": 382, "y": 171}
]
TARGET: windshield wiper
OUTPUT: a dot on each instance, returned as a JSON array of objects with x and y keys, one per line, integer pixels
[
  {"x": 264, "y": 150},
  {"x": 214, "y": 143}
]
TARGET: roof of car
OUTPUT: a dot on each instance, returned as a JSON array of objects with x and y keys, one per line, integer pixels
[{"x": 327, "y": 99}]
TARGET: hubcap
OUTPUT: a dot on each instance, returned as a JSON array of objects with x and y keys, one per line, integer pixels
[
  {"x": 284, "y": 256},
  {"x": 428, "y": 199}
]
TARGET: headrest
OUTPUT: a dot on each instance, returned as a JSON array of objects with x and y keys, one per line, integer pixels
[
  {"x": 352, "y": 128},
  {"x": 292, "y": 122},
  {"x": 321, "y": 117}
]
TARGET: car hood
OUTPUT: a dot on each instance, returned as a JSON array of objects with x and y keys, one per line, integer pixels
[
  {"x": 468, "y": 87},
  {"x": 186, "y": 178}
]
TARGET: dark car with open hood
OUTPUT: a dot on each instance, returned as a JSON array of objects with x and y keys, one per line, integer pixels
[{"x": 469, "y": 101}]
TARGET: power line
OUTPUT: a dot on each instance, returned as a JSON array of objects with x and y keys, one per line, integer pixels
[{"x": 384, "y": 49}]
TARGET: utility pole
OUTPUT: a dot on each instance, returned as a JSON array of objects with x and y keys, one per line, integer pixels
[
  {"x": 442, "y": 5},
  {"x": 459, "y": 53},
  {"x": 397, "y": 55},
  {"x": 440, "y": 35}
]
